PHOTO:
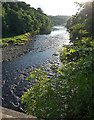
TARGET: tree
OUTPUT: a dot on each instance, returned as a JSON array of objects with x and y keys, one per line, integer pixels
[
  {"x": 29, "y": 19},
  {"x": 39, "y": 10}
]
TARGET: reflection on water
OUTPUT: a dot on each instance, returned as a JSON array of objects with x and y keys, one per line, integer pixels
[
  {"x": 54, "y": 40},
  {"x": 44, "y": 48},
  {"x": 59, "y": 30}
]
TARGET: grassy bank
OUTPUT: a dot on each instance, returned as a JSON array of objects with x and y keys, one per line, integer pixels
[
  {"x": 15, "y": 40},
  {"x": 13, "y": 47}
]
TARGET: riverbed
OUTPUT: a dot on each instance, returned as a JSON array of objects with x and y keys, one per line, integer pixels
[{"x": 15, "y": 72}]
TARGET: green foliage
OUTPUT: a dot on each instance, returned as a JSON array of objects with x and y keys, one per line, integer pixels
[
  {"x": 77, "y": 69},
  {"x": 83, "y": 21},
  {"x": 69, "y": 92},
  {"x": 19, "y": 18},
  {"x": 4, "y": 45},
  {"x": 16, "y": 40},
  {"x": 39, "y": 10}
]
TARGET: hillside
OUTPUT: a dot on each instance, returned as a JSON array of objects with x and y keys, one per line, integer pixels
[
  {"x": 58, "y": 20},
  {"x": 19, "y": 18}
]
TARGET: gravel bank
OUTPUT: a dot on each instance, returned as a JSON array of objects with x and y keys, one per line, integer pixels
[{"x": 14, "y": 51}]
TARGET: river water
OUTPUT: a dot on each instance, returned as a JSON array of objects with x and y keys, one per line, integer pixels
[{"x": 14, "y": 72}]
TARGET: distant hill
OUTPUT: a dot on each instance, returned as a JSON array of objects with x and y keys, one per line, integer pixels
[{"x": 59, "y": 20}]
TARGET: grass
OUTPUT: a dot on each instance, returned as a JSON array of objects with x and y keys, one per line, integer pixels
[{"x": 16, "y": 40}]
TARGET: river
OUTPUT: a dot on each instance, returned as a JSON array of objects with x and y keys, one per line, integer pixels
[{"x": 15, "y": 72}]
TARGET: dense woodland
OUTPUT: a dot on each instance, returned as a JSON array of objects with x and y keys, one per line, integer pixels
[
  {"x": 58, "y": 20},
  {"x": 19, "y": 18},
  {"x": 70, "y": 92}
]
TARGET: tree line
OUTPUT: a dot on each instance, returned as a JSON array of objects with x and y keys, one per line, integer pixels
[
  {"x": 19, "y": 18},
  {"x": 59, "y": 20}
]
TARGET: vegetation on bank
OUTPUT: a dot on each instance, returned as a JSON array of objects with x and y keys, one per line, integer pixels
[
  {"x": 16, "y": 40},
  {"x": 69, "y": 93},
  {"x": 19, "y": 19},
  {"x": 59, "y": 20}
]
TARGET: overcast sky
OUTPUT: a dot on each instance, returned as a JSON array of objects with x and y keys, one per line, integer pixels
[{"x": 55, "y": 7}]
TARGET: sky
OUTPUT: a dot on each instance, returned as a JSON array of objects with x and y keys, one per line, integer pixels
[{"x": 55, "y": 7}]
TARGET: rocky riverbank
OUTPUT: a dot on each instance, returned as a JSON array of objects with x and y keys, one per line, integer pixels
[{"x": 13, "y": 51}]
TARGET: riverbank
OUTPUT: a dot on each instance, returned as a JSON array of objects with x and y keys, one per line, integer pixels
[{"x": 16, "y": 46}]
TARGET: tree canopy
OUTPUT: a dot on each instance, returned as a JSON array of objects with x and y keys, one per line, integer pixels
[{"x": 19, "y": 18}]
